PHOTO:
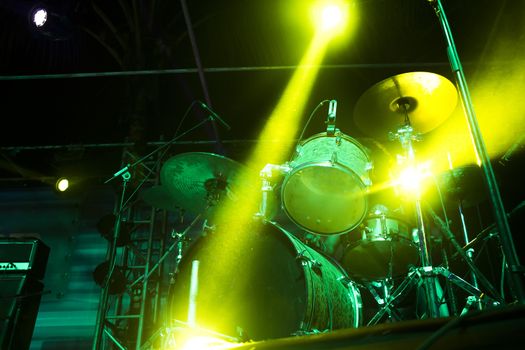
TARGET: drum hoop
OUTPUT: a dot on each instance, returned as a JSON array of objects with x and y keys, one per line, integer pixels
[
  {"x": 324, "y": 164},
  {"x": 390, "y": 217},
  {"x": 341, "y": 135}
]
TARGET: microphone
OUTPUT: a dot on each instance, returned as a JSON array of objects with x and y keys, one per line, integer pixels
[
  {"x": 213, "y": 115},
  {"x": 330, "y": 121}
]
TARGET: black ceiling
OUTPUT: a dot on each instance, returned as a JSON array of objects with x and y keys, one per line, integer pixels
[{"x": 140, "y": 79}]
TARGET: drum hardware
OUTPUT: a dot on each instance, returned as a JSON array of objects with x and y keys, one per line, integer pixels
[
  {"x": 306, "y": 260},
  {"x": 419, "y": 102},
  {"x": 330, "y": 121},
  {"x": 269, "y": 176},
  {"x": 380, "y": 291}
]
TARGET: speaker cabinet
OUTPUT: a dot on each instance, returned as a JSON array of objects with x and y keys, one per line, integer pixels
[{"x": 19, "y": 301}]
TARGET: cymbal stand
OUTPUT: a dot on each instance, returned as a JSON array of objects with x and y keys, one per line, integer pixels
[
  {"x": 514, "y": 268},
  {"x": 425, "y": 275},
  {"x": 406, "y": 136}
]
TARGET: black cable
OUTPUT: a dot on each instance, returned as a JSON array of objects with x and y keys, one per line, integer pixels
[
  {"x": 310, "y": 119},
  {"x": 447, "y": 327}
]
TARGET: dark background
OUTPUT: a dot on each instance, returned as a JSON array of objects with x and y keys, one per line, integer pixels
[{"x": 71, "y": 95}]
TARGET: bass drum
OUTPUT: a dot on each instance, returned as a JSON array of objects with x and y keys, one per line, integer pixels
[{"x": 273, "y": 286}]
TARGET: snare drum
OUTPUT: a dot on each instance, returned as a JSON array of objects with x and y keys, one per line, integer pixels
[
  {"x": 382, "y": 247},
  {"x": 276, "y": 287},
  {"x": 325, "y": 191}
]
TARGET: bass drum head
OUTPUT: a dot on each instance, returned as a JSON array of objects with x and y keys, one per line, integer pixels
[{"x": 266, "y": 291}]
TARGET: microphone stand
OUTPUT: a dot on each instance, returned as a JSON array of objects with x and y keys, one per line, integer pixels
[
  {"x": 514, "y": 268},
  {"x": 111, "y": 255}
]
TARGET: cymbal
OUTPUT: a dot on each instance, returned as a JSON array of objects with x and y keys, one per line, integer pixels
[
  {"x": 199, "y": 181},
  {"x": 159, "y": 197},
  {"x": 429, "y": 100}
]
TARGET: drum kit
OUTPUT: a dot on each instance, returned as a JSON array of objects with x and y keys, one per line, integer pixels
[{"x": 325, "y": 191}]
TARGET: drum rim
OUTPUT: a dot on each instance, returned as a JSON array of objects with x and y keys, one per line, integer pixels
[
  {"x": 325, "y": 164},
  {"x": 338, "y": 134}
]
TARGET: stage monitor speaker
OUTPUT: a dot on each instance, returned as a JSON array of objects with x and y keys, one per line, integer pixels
[
  {"x": 20, "y": 297},
  {"x": 23, "y": 255}
]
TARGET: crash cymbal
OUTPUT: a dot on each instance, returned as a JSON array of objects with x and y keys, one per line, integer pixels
[
  {"x": 199, "y": 181},
  {"x": 160, "y": 197},
  {"x": 429, "y": 99}
]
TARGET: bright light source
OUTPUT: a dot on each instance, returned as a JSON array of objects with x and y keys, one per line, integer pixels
[
  {"x": 330, "y": 16},
  {"x": 206, "y": 343},
  {"x": 411, "y": 179},
  {"x": 62, "y": 184},
  {"x": 39, "y": 17},
  {"x": 196, "y": 338}
]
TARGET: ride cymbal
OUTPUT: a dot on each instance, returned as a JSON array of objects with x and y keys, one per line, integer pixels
[{"x": 427, "y": 99}]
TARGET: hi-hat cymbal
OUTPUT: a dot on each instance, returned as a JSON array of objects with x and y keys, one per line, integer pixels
[
  {"x": 428, "y": 98},
  {"x": 199, "y": 181}
]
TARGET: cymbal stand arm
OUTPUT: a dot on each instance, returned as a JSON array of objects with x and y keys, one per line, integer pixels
[{"x": 515, "y": 270}]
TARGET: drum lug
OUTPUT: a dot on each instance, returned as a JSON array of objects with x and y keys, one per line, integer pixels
[
  {"x": 333, "y": 159},
  {"x": 345, "y": 280},
  {"x": 305, "y": 260}
]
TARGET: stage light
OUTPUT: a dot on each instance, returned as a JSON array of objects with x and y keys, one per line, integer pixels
[
  {"x": 62, "y": 184},
  {"x": 184, "y": 337},
  {"x": 330, "y": 17},
  {"x": 206, "y": 343},
  {"x": 39, "y": 17},
  {"x": 411, "y": 179}
]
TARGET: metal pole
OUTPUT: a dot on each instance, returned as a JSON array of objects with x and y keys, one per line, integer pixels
[
  {"x": 514, "y": 268},
  {"x": 112, "y": 250}
]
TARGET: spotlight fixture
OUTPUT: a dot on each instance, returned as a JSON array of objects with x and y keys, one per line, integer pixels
[
  {"x": 330, "y": 16},
  {"x": 39, "y": 17},
  {"x": 412, "y": 178},
  {"x": 62, "y": 184}
]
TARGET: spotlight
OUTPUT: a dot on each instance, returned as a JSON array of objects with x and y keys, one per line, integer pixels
[
  {"x": 190, "y": 338},
  {"x": 62, "y": 184},
  {"x": 39, "y": 17},
  {"x": 330, "y": 17},
  {"x": 411, "y": 179}
]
